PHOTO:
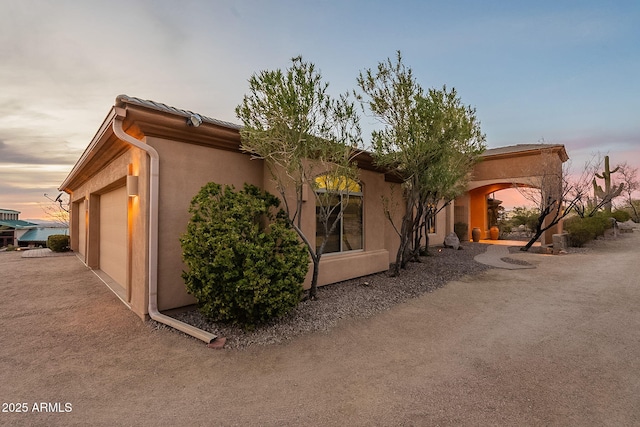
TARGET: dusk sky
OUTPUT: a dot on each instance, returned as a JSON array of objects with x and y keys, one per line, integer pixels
[{"x": 562, "y": 72}]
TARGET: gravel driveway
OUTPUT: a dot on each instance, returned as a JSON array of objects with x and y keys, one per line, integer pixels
[{"x": 556, "y": 345}]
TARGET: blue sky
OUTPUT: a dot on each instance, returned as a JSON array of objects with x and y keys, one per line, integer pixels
[{"x": 565, "y": 72}]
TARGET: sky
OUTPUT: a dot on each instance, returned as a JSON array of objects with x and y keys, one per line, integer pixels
[{"x": 562, "y": 72}]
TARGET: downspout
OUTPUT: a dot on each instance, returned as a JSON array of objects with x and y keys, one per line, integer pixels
[{"x": 154, "y": 181}]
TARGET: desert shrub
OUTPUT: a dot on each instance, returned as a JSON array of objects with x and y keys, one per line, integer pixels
[
  {"x": 526, "y": 216},
  {"x": 621, "y": 216},
  {"x": 58, "y": 242},
  {"x": 245, "y": 264},
  {"x": 462, "y": 231},
  {"x": 583, "y": 230}
]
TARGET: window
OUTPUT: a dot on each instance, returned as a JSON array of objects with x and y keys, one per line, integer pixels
[
  {"x": 347, "y": 235},
  {"x": 431, "y": 224}
]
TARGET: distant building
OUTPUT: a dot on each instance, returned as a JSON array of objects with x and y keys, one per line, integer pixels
[
  {"x": 16, "y": 232},
  {"x": 8, "y": 214},
  {"x": 12, "y": 228}
]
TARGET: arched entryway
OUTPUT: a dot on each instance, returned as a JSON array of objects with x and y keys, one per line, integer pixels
[{"x": 529, "y": 165}]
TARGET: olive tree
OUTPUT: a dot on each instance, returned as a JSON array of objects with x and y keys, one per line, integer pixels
[
  {"x": 307, "y": 140},
  {"x": 429, "y": 138}
]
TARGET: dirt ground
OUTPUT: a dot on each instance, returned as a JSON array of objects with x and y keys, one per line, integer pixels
[{"x": 557, "y": 345}]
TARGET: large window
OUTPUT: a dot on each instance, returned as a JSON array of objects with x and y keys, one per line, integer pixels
[{"x": 347, "y": 235}]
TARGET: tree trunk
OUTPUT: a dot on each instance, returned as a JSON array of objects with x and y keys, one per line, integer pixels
[
  {"x": 405, "y": 239},
  {"x": 426, "y": 243},
  {"x": 530, "y": 243},
  {"x": 313, "y": 290}
]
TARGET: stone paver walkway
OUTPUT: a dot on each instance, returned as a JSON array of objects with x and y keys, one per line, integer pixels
[{"x": 493, "y": 257}]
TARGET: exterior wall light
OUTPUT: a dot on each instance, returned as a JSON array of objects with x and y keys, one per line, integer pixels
[{"x": 132, "y": 185}]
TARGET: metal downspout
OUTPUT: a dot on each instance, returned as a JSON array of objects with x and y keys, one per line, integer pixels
[{"x": 154, "y": 182}]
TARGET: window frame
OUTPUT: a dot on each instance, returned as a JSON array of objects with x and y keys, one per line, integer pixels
[{"x": 341, "y": 194}]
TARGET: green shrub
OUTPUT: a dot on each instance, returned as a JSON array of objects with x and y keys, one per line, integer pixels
[
  {"x": 462, "y": 231},
  {"x": 245, "y": 265},
  {"x": 583, "y": 230},
  {"x": 621, "y": 216},
  {"x": 58, "y": 242},
  {"x": 526, "y": 216}
]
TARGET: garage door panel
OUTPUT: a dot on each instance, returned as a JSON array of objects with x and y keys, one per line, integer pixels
[{"x": 113, "y": 235}]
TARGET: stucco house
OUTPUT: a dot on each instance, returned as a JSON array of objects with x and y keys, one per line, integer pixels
[{"x": 131, "y": 189}]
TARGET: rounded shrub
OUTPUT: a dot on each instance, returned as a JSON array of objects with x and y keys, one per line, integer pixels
[
  {"x": 583, "y": 230},
  {"x": 58, "y": 242},
  {"x": 245, "y": 264},
  {"x": 621, "y": 216}
]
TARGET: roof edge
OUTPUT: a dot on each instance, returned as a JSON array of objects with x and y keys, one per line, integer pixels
[{"x": 122, "y": 100}]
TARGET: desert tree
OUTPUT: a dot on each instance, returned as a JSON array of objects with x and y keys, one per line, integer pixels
[
  {"x": 554, "y": 194},
  {"x": 430, "y": 139},
  {"x": 57, "y": 210},
  {"x": 629, "y": 178},
  {"x": 308, "y": 140}
]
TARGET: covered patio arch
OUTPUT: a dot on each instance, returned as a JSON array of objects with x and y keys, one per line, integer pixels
[{"x": 523, "y": 165}]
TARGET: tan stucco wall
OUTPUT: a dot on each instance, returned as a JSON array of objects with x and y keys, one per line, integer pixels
[
  {"x": 184, "y": 169},
  {"x": 533, "y": 168},
  {"x": 375, "y": 256}
]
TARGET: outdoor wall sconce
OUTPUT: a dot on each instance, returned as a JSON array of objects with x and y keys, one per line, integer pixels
[{"x": 132, "y": 185}]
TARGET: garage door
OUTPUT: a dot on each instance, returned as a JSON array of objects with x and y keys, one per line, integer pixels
[
  {"x": 113, "y": 235},
  {"x": 82, "y": 227}
]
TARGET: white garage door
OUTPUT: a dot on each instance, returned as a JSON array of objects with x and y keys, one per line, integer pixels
[{"x": 113, "y": 235}]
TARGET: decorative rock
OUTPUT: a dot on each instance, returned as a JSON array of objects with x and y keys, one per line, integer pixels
[
  {"x": 560, "y": 243},
  {"x": 452, "y": 241}
]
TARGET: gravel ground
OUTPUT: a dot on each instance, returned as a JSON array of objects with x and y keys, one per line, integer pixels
[{"x": 356, "y": 298}]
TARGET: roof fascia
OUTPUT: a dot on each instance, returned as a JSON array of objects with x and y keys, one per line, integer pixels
[
  {"x": 559, "y": 149},
  {"x": 168, "y": 125}
]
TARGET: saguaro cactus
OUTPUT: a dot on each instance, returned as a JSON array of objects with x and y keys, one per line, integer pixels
[{"x": 607, "y": 194}]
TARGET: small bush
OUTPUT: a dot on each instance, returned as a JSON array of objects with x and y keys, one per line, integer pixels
[
  {"x": 621, "y": 216},
  {"x": 58, "y": 242},
  {"x": 245, "y": 265},
  {"x": 583, "y": 230}
]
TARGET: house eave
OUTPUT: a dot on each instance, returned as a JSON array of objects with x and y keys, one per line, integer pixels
[
  {"x": 558, "y": 148},
  {"x": 149, "y": 119}
]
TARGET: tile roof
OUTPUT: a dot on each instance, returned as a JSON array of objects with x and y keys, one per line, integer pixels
[
  {"x": 16, "y": 223},
  {"x": 41, "y": 234},
  {"x": 172, "y": 110}
]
